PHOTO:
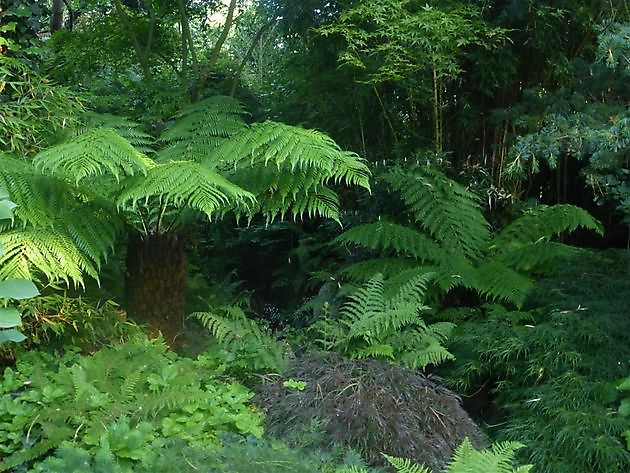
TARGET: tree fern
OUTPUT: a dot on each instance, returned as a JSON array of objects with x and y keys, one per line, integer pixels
[{"x": 210, "y": 164}]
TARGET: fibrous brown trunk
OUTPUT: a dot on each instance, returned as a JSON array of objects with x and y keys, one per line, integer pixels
[{"x": 155, "y": 283}]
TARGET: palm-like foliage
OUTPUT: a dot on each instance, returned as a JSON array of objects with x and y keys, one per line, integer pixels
[
  {"x": 454, "y": 239},
  {"x": 74, "y": 197},
  {"x": 57, "y": 231}
]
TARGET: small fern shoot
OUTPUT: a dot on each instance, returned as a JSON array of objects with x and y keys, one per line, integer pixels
[
  {"x": 373, "y": 324},
  {"x": 466, "y": 459}
]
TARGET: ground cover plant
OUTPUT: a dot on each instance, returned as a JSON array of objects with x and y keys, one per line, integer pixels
[{"x": 335, "y": 236}]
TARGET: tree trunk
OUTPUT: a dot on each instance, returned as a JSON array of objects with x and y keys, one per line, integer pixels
[
  {"x": 155, "y": 283},
  {"x": 56, "y": 16}
]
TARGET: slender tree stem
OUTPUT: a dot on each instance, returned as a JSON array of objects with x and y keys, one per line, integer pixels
[
  {"x": 216, "y": 50},
  {"x": 141, "y": 55},
  {"x": 248, "y": 55}
]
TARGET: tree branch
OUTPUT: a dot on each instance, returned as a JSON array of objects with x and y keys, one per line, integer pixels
[
  {"x": 246, "y": 58},
  {"x": 216, "y": 50}
]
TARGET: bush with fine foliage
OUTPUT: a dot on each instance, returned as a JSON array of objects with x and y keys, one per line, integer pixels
[{"x": 370, "y": 406}]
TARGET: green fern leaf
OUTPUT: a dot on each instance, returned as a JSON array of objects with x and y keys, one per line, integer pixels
[
  {"x": 124, "y": 127},
  {"x": 200, "y": 128},
  {"x": 540, "y": 256},
  {"x": 500, "y": 282},
  {"x": 44, "y": 250},
  {"x": 443, "y": 208},
  {"x": 379, "y": 350},
  {"x": 404, "y": 465},
  {"x": 497, "y": 460},
  {"x": 183, "y": 184},
  {"x": 97, "y": 152},
  {"x": 544, "y": 222},
  {"x": 386, "y": 235},
  {"x": 284, "y": 166},
  {"x": 409, "y": 287}
]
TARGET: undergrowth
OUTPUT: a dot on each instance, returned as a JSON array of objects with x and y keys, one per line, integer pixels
[
  {"x": 553, "y": 369},
  {"x": 127, "y": 395}
]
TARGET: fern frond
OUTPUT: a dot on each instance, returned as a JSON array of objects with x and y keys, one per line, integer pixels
[
  {"x": 408, "y": 287},
  {"x": 29, "y": 454},
  {"x": 55, "y": 231},
  {"x": 97, "y": 152},
  {"x": 224, "y": 329},
  {"x": 379, "y": 350},
  {"x": 391, "y": 236},
  {"x": 124, "y": 127},
  {"x": 365, "y": 300},
  {"x": 200, "y": 128},
  {"x": 374, "y": 326},
  {"x": 286, "y": 165},
  {"x": 542, "y": 223},
  {"x": 34, "y": 194},
  {"x": 536, "y": 257},
  {"x": 446, "y": 210},
  {"x": 499, "y": 282},
  {"x": 183, "y": 184},
  {"x": 404, "y": 465},
  {"x": 46, "y": 250},
  {"x": 499, "y": 459}
]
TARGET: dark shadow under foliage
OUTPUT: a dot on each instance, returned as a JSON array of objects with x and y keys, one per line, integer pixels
[{"x": 370, "y": 406}]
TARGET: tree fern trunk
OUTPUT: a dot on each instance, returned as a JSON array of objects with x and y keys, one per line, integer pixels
[{"x": 155, "y": 283}]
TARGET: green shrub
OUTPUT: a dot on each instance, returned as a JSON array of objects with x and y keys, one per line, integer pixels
[{"x": 60, "y": 320}]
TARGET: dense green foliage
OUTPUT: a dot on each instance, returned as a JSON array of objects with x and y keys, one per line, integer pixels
[
  {"x": 10, "y": 318},
  {"x": 120, "y": 398},
  {"x": 554, "y": 369},
  {"x": 205, "y": 192}
]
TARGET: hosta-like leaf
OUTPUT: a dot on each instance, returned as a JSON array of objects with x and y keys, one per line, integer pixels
[{"x": 17, "y": 289}]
